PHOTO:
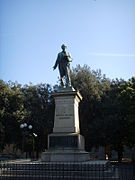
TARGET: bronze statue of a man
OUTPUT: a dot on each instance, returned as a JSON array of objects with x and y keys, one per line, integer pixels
[{"x": 63, "y": 62}]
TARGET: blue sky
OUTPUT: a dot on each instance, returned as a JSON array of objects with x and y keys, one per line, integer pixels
[{"x": 99, "y": 33}]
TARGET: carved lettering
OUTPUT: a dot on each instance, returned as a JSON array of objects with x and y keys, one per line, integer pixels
[
  {"x": 64, "y": 117},
  {"x": 64, "y": 114}
]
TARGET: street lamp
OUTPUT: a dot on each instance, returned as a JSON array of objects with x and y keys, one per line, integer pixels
[
  {"x": 34, "y": 135},
  {"x": 25, "y": 127}
]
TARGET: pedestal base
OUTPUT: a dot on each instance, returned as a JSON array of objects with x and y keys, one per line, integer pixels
[
  {"x": 65, "y": 156},
  {"x": 73, "y": 141},
  {"x": 67, "y": 147}
]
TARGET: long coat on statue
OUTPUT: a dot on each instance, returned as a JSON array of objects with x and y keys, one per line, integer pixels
[{"x": 63, "y": 62}]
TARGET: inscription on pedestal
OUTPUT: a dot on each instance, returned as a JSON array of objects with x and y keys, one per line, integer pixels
[{"x": 66, "y": 112}]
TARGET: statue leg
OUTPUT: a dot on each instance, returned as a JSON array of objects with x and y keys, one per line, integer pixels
[
  {"x": 68, "y": 80},
  {"x": 61, "y": 77},
  {"x": 62, "y": 81}
]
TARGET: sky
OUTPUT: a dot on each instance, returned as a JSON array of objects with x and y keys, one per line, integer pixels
[{"x": 99, "y": 33}]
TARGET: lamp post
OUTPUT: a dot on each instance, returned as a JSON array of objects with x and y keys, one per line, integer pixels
[
  {"x": 25, "y": 127},
  {"x": 34, "y": 135}
]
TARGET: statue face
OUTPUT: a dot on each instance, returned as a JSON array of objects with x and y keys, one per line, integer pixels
[{"x": 63, "y": 47}]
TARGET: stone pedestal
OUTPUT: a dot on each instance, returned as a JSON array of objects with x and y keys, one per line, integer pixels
[
  {"x": 66, "y": 112},
  {"x": 66, "y": 143}
]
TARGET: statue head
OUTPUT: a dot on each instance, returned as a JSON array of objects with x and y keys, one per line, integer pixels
[{"x": 63, "y": 47}]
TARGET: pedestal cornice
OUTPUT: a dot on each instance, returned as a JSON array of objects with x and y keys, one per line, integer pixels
[{"x": 67, "y": 93}]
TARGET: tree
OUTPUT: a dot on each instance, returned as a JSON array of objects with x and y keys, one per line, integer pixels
[
  {"x": 113, "y": 117},
  {"x": 2, "y": 134},
  {"x": 40, "y": 111},
  {"x": 92, "y": 85},
  {"x": 30, "y": 104},
  {"x": 11, "y": 112},
  {"x": 127, "y": 100}
]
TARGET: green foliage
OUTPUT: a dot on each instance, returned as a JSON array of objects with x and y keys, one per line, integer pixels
[
  {"x": 107, "y": 111},
  {"x": 11, "y": 111},
  {"x": 2, "y": 134},
  {"x": 92, "y": 85},
  {"x": 113, "y": 116},
  {"x": 127, "y": 101},
  {"x": 30, "y": 104},
  {"x": 40, "y": 111}
]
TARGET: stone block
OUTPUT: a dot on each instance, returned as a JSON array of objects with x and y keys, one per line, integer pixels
[
  {"x": 66, "y": 112},
  {"x": 66, "y": 141}
]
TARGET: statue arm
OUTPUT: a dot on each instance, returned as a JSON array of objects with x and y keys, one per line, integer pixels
[
  {"x": 54, "y": 67},
  {"x": 69, "y": 57},
  {"x": 56, "y": 63}
]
